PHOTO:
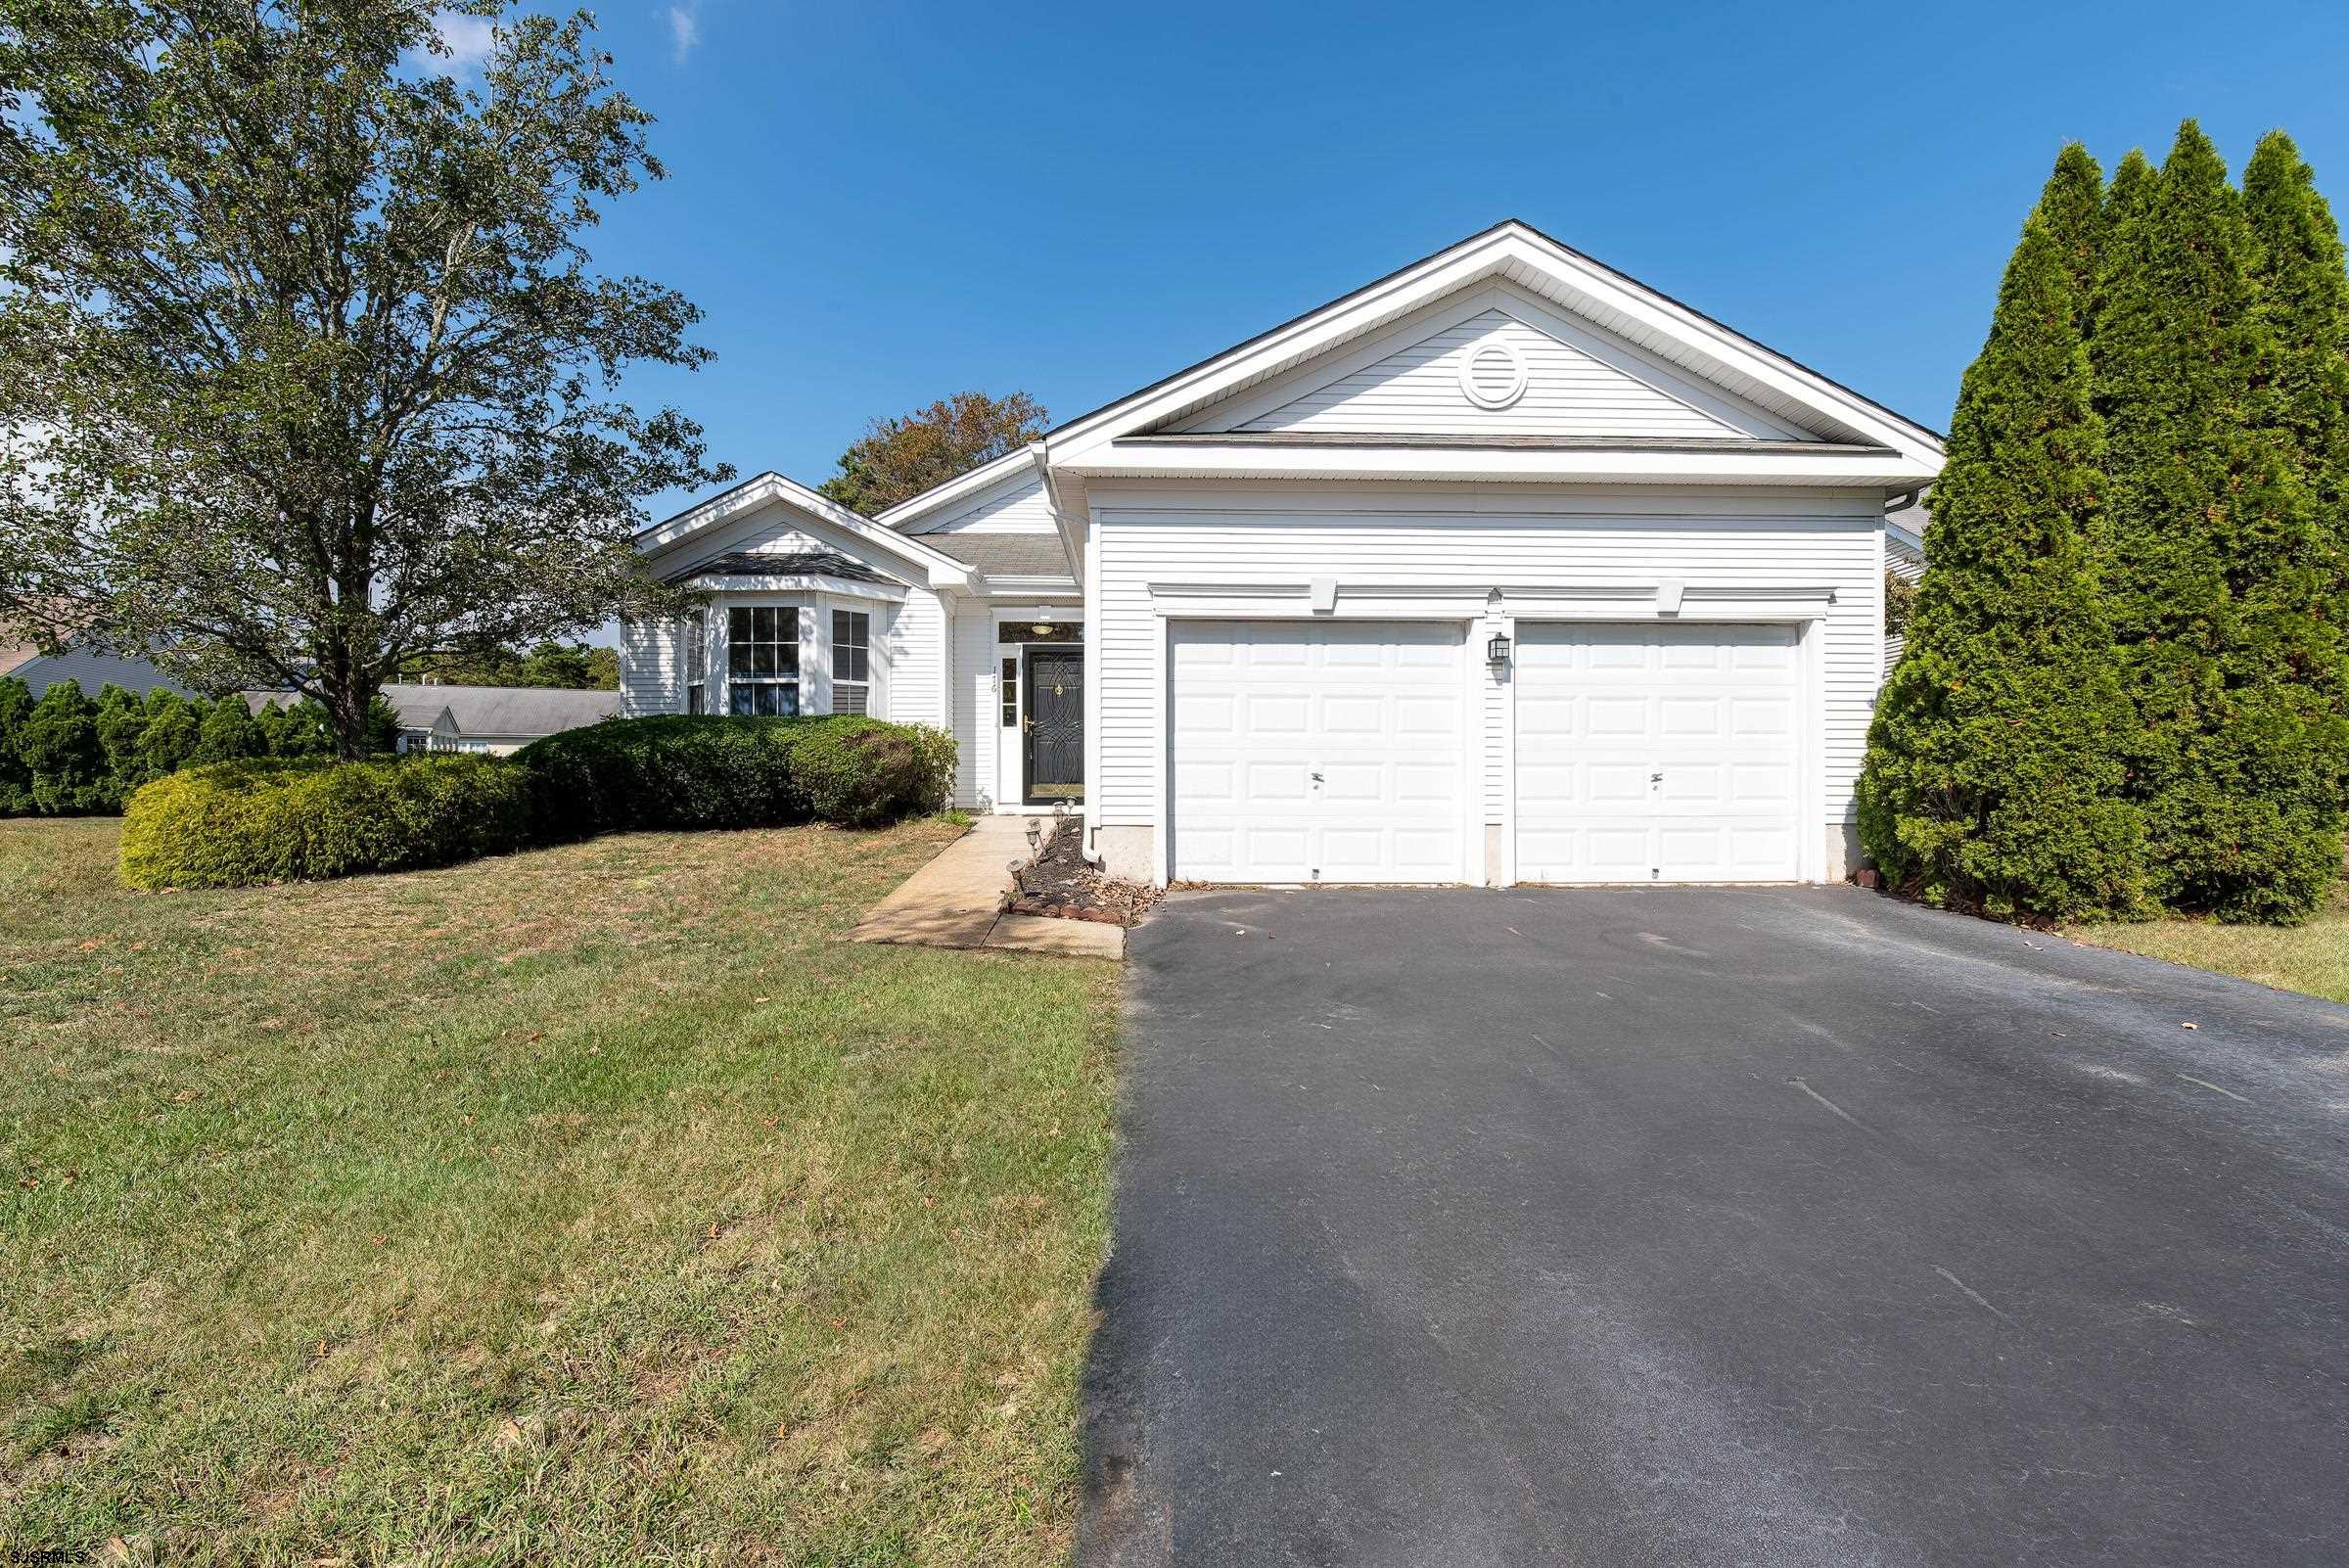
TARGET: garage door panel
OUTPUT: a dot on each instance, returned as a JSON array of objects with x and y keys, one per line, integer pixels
[
  {"x": 1656, "y": 754},
  {"x": 1377, "y": 711}
]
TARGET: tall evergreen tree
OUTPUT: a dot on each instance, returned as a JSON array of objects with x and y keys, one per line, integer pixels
[
  {"x": 2304, "y": 295},
  {"x": 228, "y": 731},
  {"x": 121, "y": 725},
  {"x": 60, "y": 745},
  {"x": 16, "y": 774},
  {"x": 2211, "y": 562},
  {"x": 1990, "y": 779}
]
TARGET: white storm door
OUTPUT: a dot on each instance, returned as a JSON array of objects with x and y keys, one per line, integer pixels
[
  {"x": 1317, "y": 752},
  {"x": 1657, "y": 752}
]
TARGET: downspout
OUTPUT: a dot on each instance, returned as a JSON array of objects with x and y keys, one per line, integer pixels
[{"x": 1075, "y": 536}]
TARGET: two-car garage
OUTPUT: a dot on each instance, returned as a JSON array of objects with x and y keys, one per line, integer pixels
[{"x": 1356, "y": 751}]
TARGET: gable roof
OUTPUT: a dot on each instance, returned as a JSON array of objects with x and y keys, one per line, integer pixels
[
  {"x": 796, "y": 563},
  {"x": 932, "y": 567},
  {"x": 500, "y": 710},
  {"x": 1521, "y": 254}
]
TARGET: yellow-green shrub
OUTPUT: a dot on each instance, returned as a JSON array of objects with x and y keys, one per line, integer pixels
[{"x": 235, "y": 824}]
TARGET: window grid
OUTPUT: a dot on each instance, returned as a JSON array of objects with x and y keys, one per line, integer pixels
[
  {"x": 763, "y": 659},
  {"x": 696, "y": 633},
  {"x": 1011, "y": 692},
  {"x": 852, "y": 662}
]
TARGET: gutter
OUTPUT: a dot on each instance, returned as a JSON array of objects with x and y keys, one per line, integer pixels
[{"x": 1071, "y": 529}]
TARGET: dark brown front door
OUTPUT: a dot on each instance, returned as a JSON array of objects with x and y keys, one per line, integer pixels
[{"x": 1055, "y": 724}]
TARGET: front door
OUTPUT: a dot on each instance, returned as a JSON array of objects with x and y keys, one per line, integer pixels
[{"x": 1055, "y": 724}]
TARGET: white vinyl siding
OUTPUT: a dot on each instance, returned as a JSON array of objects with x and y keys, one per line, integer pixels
[
  {"x": 974, "y": 705},
  {"x": 1567, "y": 393},
  {"x": 910, "y": 678},
  {"x": 1483, "y": 539},
  {"x": 1017, "y": 505},
  {"x": 651, "y": 672}
]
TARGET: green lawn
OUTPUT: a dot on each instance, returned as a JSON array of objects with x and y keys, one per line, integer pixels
[
  {"x": 2314, "y": 957},
  {"x": 593, "y": 1205}
]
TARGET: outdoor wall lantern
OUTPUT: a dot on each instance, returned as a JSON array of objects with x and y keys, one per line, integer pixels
[{"x": 1496, "y": 652}]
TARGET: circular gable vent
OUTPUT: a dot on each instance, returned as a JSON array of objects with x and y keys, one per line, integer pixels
[{"x": 1492, "y": 376}]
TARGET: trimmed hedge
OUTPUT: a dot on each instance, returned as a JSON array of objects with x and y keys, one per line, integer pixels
[
  {"x": 234, "y": 824},
  {"x": 237, "y": 823},
  {"x": 682, "y": 771}
]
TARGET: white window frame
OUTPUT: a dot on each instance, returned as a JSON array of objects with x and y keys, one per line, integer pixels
[
  {"x": 862, "y": 684},
  {"x": 797, "y": 682},
  {"x": 695, "y": 631}
]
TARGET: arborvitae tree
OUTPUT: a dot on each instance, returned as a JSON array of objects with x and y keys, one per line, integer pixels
[
  {"x": 227, "y": 732},
  {"x": 1990, "y": 779},
  {"x": 2304, "y": 297},
  {"x": 16, "y": 777},
  {"x": 168, "y": 741},
  {"x": 60, "y": 746},
  {"x": 121, "y": 725},
  {"x": 2211, "y": 563},
  {"x": 270, "y": 722}
]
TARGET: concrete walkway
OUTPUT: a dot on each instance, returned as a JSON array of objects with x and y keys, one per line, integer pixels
[{"x": 957, "y": 900}]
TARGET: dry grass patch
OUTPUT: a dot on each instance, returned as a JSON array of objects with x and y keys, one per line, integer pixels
[
  {"x": 2313, "y": 958},
  {"x": 587, "y": 1206}
]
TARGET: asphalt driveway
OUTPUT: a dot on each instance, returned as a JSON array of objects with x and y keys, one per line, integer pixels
[{"x": 1681, "y": 1227}]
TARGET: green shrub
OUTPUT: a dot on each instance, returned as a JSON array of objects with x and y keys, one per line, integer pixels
[
  {"x": 16, "y": 774},
  {"x": 238, "y": 823},
  {"x": 711, "y": 771},
  {"x": 60, "y": 744}
]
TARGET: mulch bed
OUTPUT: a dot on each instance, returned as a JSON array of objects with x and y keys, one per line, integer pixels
[{"x": 1059, "y": 884}]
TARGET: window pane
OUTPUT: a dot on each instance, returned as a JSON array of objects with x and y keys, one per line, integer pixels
[
  {"x": 742, "y": 698},
  {"x": 1011, "y": 692},
  {"x": 848, "y": 699}
]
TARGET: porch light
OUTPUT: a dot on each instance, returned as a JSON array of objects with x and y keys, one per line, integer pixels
[
  {"x": 1043, "y": 628},
  {"x": 1496, "y": 652}
]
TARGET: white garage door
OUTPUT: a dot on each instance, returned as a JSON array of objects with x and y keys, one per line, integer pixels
[
  {"x": 1318, "y": 752},
  {"x": 1657, "y": 753}
]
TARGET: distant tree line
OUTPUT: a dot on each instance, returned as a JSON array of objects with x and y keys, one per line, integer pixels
[
  {"x": 570, "y": 666},
  {"x": 71, "y": 755}
]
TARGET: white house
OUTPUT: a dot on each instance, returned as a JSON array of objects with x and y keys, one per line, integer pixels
[{"x": 1503, "y": 567}]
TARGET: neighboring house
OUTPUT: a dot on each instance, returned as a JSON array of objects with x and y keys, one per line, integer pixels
[
  {"x": 497, "y": 719},
  {"x": 1904, "y": 557},
  {"x": 95, "y": 670},
  {"x": 1504, "y": 568},
  {"x": 492, "y": 718}
]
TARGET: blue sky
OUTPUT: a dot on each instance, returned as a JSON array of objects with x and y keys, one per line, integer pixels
[{"x": 881, "y": 204}]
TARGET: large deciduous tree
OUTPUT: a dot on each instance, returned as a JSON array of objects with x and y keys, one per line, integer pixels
[
  {"x": 304, "y": 369},
  {"x": 1990, "y": 780},
  {"x": 2216, "y": 570},
  {"x": 897, "y": 459}
]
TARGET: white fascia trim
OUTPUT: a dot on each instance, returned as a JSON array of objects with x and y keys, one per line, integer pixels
[
  {"x": 1460, "y": 267},
  {"x": 1650, "y": 601},
  {"x": 944, "y": 570},
  {"x": 803, "y": 583},
  {"x": 962, "y": 486},
  {"x": 1072, "y": 529},
  {"x": 1490, "y": 465},
  {"x": 1007, "y": 588}
]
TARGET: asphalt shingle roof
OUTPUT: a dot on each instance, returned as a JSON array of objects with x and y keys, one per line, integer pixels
[
  {"x": 1005, "y": 555},
  {"x": 800, "y": 563}
]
